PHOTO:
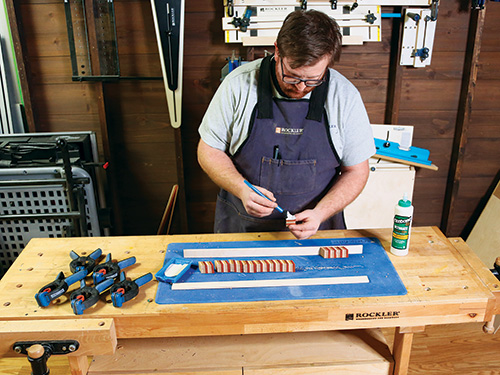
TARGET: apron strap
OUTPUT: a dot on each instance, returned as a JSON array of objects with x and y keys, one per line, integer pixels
[
  {"x": 265, "y": 98},
  {"x": 264, "y": 90},
  {"x": 318, "y": 98}
]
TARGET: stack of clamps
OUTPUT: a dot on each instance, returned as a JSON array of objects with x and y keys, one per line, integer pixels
[{"x": 107, "y": 275}]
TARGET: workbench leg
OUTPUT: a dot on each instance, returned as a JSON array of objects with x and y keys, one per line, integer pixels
[
  {"x": 403, "y": 339},
  {"x": 79, "y": 365}
]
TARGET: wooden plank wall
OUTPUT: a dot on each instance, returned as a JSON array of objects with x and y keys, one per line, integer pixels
[
  {"x": 481, "y": 170},
  {"x": 143, "y": 152},
  {"x": 144, "y": 144}
]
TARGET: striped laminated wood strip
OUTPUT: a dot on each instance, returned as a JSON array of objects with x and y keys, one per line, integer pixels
[
  {"x": 239, "y": 266},
  {"x": 277, "y": 265},
  {"x": 265, "y": 266},
  {"x": 283, "y": 265},
  {"x": 251, "y": 266},
  {"x": 270, "y": 266},
  {"x": 210, "y": 267},
  {"x": 258, "y": 266},
  {"x": 218, "y": 265},
  {"x": 206, "y": 267},
  {"x": 247, "y": 266},
  {"x": 334, "y": 252},
  {"x": 202, "y": 267}
]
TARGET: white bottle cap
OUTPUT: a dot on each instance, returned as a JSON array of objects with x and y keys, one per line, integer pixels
[{"x": 400, "y": 253}]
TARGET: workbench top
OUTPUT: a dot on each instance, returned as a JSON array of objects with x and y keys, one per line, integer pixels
[{"x": 446, "y": 283}]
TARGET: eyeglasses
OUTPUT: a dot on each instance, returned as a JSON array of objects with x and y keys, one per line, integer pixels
[{"x": 291, "y": 80}]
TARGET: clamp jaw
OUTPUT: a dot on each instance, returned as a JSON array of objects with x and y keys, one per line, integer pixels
[
  {"x": 58, "y": 287},
  {"x": 110, "y": 270},
  {"x": 125, "y": 290},
  {"x": 84, "y": 262},
  {"x": 88, "y": 296}
]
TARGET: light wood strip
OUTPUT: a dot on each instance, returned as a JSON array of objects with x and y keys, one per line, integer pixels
[
  {"x": 262, "y": 251},
  {"x": 270, "y": 283}
]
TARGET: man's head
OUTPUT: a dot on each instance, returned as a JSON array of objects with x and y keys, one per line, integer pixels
[{"x": 307, "y": 37}]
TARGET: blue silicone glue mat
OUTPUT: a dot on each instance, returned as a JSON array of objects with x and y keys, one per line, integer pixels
[{"x": 374, "y": 263}]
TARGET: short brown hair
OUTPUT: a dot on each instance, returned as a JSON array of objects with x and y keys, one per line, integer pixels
[{"x": 307, "y": 36}]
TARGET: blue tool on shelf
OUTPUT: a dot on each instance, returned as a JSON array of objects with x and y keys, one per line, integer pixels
[
  {"x": 125, "y": 290},
  {"x": 388, "y": 150},
  {"x": 232, "y": 63},
  {"x": 58, "y": 287},
  {"x": 390, "y": 15},
  {"x": 110, "y": 269},
  {"x": 87, "y": 296},
  {"x": 173, "y": 270}
]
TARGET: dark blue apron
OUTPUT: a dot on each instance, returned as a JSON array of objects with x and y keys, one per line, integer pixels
[{"x": 289, "y": 151}]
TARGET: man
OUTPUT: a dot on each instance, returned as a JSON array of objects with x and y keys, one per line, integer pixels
[{"x": 292, "y": 127}]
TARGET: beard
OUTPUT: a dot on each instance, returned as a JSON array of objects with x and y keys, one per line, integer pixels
[{"x": 293, "y": 92}]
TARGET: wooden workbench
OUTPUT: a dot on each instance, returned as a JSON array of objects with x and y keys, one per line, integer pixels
[{"x": 445, "y": 280}]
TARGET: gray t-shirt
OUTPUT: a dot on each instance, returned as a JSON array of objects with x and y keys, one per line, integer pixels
[{"x": 226, "y": 123}]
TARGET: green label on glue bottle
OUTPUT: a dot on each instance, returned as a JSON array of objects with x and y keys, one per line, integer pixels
[{"x": 401, "y": 232}]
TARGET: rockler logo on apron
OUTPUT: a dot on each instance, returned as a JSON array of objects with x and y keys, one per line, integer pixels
[{"x": 289, "y": 131}]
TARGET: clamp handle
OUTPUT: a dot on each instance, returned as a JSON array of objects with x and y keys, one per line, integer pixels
[
  {"x": 110, "y": 269},
  {"x": 126, "y": 262},
  {"x": 126, "y": 290},
  {"x": 144, "y": 279},
  {"x": 57, "y": 288},
  {"x": 80, "y": 275},
  {"x": 88, "y": 296}
]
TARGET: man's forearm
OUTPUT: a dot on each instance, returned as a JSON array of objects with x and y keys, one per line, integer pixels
[{"x": 348, "y": 186}]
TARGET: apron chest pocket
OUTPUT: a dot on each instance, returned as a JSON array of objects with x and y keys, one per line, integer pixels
[{"x": 288, "y": 177}]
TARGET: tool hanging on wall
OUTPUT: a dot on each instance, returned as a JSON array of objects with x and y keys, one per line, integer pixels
[
  {"x": 168, "y": 17},
  {"x": 359, "y": 20},
  {"x": 93, "y": 41},
  {"x": 82, "y": 30},
  {"x": 242, "y": 23},
  {"x": 418, "y": 36},
  {"x": 261, "y": 22}
]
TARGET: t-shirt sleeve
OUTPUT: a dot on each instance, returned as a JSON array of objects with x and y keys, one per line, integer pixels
[
  {"x": 358, "y": 136},
  {"x": 217, "y": 121}
]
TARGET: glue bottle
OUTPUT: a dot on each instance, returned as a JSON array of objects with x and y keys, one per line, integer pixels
[{"x": 403, "y": 214}]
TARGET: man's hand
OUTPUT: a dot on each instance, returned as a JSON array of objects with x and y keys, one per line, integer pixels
[
  {"x": 347, "y": 187},
  {"x": 309, "y": 222},
  {"x": 254, "y": 204}
]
